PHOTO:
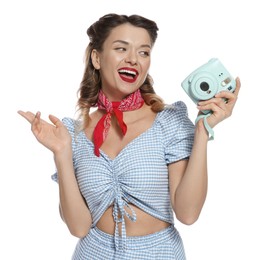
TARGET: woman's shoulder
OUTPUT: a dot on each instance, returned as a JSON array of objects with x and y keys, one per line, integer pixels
[
  {"x": 174, "y": 116},
  {"x": 71, "y": 124},
  {"x": 174, "y": 123},
  {"x": 175, "y": 110}
]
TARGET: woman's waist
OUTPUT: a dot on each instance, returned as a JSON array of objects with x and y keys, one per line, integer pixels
[{"x": 144, "y": 224}]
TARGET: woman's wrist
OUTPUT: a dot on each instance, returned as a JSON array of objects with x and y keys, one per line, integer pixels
[
  {"x": 203, "y": 118},
  {"x": 63, "y": 154},
  {"x": 201, "y": 131}
]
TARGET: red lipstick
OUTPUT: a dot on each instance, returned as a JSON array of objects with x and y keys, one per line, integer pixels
[{"x": 128, "y": 74}]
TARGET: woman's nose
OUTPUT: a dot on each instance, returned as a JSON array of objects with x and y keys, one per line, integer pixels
[{"x": 131, "y": 58}]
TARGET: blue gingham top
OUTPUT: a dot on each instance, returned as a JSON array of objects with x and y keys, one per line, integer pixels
[{"x": 139, "y": 173}]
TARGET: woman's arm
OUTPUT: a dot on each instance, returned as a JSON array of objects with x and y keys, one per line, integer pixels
[
  {"x": 73, "y": 208},
  {"x": 188, "y": 179},
  {"x": 57, "y": 139}
]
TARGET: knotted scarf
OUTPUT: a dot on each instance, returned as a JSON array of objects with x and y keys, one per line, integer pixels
[{"x": 132, "y": 102}]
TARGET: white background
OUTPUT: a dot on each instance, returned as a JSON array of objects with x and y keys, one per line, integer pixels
[{"x": 41, "y": 62}]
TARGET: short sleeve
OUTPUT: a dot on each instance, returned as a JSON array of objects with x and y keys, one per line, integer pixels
[
  {"x": 70, "y": 125},
  {"x": 179, "y": 141}
]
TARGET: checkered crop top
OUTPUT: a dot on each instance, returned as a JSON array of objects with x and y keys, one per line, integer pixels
[{"x": 139, "y": 173}]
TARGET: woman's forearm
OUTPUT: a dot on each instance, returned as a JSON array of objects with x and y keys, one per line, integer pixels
[{"x": 73, "y": 208}]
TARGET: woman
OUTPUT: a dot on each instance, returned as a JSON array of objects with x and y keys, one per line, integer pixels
[{"x": 127, "y": 167}]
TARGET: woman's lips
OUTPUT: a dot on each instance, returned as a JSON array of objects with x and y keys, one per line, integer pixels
[{"x": 128, "y": 74}]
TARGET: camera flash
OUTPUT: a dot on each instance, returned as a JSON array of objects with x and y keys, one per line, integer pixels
[{"x": 225, "y": 82}]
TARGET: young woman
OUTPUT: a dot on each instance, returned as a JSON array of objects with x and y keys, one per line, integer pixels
[{"x": 125, "y": 169}]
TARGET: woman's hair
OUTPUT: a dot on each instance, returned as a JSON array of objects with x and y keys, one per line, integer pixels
[{"x": 91, "y": 81}]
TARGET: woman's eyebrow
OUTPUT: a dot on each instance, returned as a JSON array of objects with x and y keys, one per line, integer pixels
[
  {"x": 126, "y": 43},
  {"x": 121, "y": 41}
]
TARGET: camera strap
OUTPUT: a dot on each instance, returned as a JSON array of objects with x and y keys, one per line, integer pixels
[{"x": 208, "y": 128}]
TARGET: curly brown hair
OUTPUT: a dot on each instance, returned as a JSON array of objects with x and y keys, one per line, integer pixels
[{"x": 91, "y": 81}]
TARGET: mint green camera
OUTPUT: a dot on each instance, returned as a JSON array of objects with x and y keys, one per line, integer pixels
[{"x": 207, "y": 80}]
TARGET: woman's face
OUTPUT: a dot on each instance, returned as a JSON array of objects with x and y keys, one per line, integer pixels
[{"x": 124, "y": 61}]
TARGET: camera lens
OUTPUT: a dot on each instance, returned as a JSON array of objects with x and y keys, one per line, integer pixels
[{"x": 204, "y": 86}]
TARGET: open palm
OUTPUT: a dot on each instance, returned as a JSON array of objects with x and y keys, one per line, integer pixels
[{"x": 54, "y": 136}]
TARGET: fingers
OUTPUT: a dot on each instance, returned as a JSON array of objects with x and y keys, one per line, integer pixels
[
  {"x": 214, "y": 105},
  {"x": 27, "y": 115},
  {"x": 35, "y": 124},
  {"x": 238, "y": 86},
  {"x": 55, "y": 120},
  {"x": 32, "y": 118},
  {"x": 223, "y": 103},
  {"x": 229, "y": 98},
  {"x": 217, "y": 101},
  {"x": 37, "y": 116},
  {"x": 228, "y": 94}
]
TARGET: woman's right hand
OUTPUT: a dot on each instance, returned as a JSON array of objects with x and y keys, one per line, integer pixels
[{"x": 54, "y": 136}]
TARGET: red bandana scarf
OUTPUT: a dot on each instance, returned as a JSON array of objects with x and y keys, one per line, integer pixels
[{"x": 132, "y": 102}]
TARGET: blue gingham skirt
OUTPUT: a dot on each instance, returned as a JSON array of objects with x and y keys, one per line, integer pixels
[{"x": 163, "y": 245}]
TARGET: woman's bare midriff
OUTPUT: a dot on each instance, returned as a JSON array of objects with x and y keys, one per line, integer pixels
[{"x": 144, "y": 225}]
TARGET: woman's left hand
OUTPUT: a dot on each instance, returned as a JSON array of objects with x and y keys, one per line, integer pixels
[{"x": 220, "y": 109}]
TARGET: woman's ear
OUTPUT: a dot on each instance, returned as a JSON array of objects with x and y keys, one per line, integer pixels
[{"x": 95, "y": 59}]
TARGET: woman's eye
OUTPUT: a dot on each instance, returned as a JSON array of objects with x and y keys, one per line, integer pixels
[
  {"x": 120, "y": 49},
  {"x": 144, "y": 53}
]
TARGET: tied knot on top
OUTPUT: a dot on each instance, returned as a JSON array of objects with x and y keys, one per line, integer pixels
[
  {"x": 131, "y": 102},
  {"x": 119, "y": 213}
]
